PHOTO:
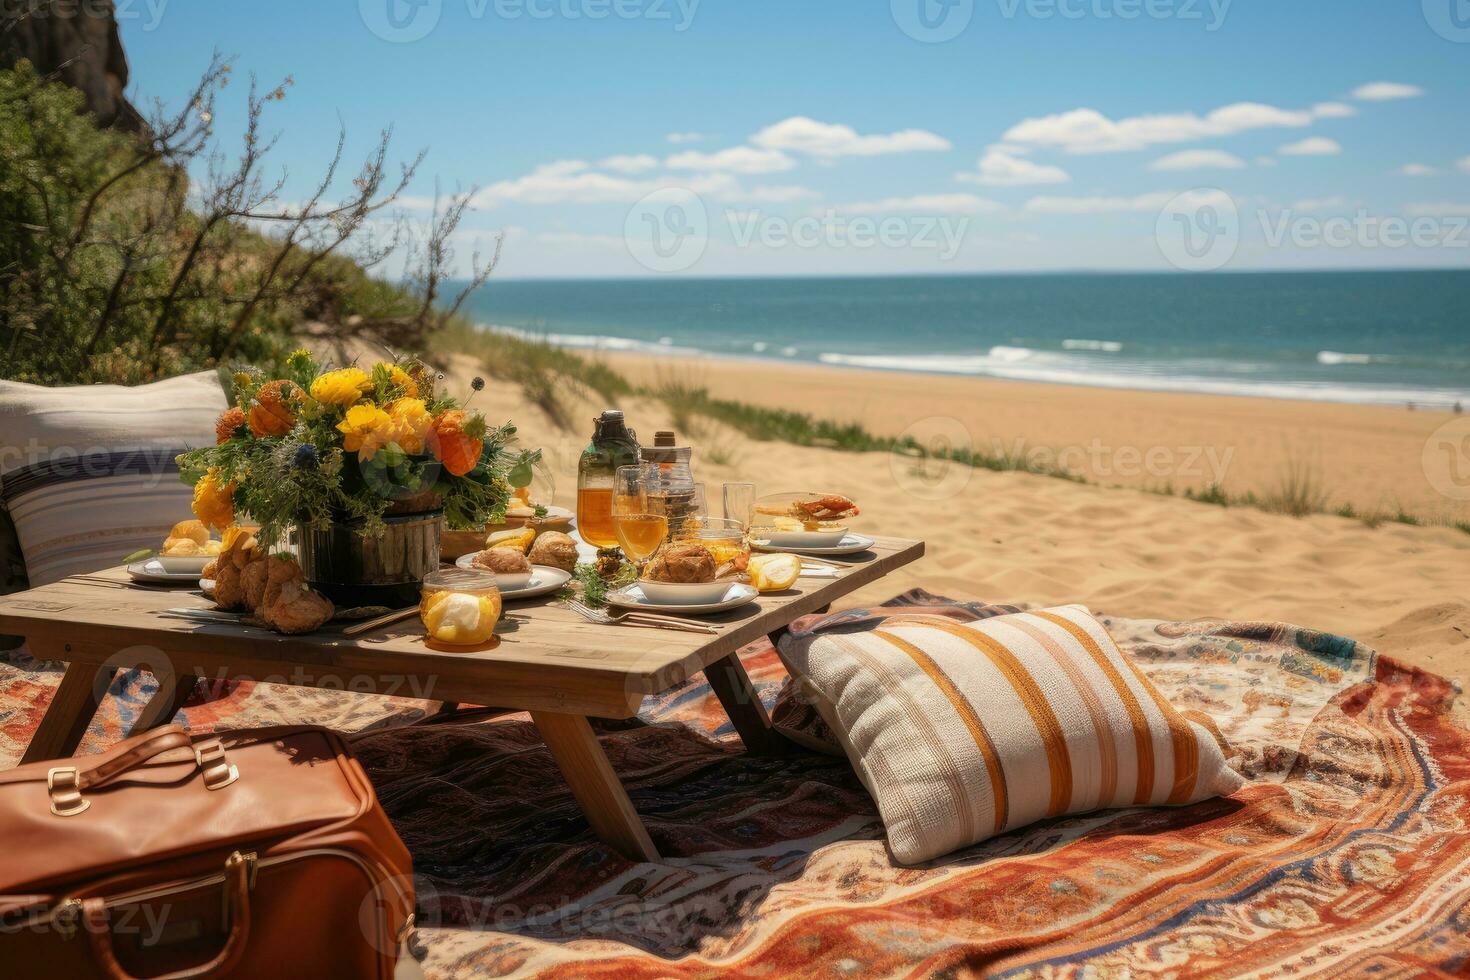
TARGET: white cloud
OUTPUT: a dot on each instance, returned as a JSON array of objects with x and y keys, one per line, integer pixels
[
  {"x": 1319, "y": 204},
  {"x": 1463, "y": 165},
  {"x": 1000, "y": 167},
  {"x": 1098, "y": 205},
  {"x": 1439, "y": 209},
  {"x": 1384, "y": 91},
  {"x": 925, "y": 203},
  {"x": 800, "y": 134},
  {"x": 1089, "y": 131},
  {"x": 1198, "y": 160},
  {"x": 572, "y": 182},
  {"x": 680, "y": 138},
  {"x": 1265, "y": 161},
  {"x": 1312, "y": 146},
  {"x": 736, "y": 159},
  {"x": 577, "y": 239},
  {"x": 1418, "y": 170},
  {"x": 629, "y": 163},
  {"x": 1333, "y": 110}
]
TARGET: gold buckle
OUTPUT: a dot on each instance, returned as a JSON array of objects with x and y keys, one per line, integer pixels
[
  {"x": 65, "y": 790},
  {"x": 67, "y": 916},
  {"x": 218, "y": 772}
]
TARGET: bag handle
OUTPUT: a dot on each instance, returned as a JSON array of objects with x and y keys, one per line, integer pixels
[
  {"x": 65, "y": 784},
  {"x": 238, "y": 872},
  {"x": 131, "y": 754}
]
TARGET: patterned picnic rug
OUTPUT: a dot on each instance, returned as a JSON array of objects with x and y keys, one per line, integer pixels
[{"x": 1347, "y": 854}]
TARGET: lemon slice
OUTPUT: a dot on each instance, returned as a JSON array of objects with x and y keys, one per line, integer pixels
[{"x": 774, "y": 573}]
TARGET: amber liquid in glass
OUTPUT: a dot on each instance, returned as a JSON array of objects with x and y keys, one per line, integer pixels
[
  {"x": 640, "y": 534},
  {"x": 594, "y": 517}
]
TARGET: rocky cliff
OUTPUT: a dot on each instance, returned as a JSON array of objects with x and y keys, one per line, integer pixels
[{"x": 76, "y": 43}]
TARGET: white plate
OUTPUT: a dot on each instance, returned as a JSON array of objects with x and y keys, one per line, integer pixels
[
  {"x": 632, "y": 597},
  {"x": 544, "y": 581},
  {"x": 849, "y": 545},
  {"x": 684, "y": 593},
  {"x": 150, "y": 570},
  {"x": 506, "y": 581},
  {"x": 796, "y": 540}
]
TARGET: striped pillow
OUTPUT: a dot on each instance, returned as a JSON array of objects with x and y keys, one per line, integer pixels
[
  {"x": 88, "y": 474},
  {"x": 964, "y": 731}
]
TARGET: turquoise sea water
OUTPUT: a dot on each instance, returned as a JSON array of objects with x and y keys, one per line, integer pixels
[{"x": 1381, "y": 337}]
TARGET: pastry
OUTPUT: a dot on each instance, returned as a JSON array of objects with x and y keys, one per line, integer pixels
[
  {"x": 288, "y": 606},
  {"x": 555, "y": 549},
  {"x": 682, "y": 563},
  {"x": 502, "y": 561},
  {"x": 240, "y": 550}
]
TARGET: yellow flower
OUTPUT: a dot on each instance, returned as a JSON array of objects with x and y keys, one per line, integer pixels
[
  {"x": 341, "y": 387},
  {"x": 403, "y": 380},
  {"x": 365, "y": 430},
  {"x": 411, "y": 422},
  {"x": 214, "y": 504}
]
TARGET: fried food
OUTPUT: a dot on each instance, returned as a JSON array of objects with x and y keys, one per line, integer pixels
[
  {"x": 288, "y": 606},
  {"x": 252, "y": 583},
  {"x": 555, "y": 549},
  {"x": 240, "y": 549},
  {"x": 502, "y": 561},
  {"x": 211, "y": 569},
  {"x": 814, "y": 510},
  {"x": 189, "y": 539},
  {"x": 190, "y": 530},
  {"x": 681, "y": 563}
]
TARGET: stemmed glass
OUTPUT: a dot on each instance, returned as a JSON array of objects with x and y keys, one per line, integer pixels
[{"x": 640, "y": 528}]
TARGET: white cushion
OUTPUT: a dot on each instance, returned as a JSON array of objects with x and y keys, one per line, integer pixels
[
  {"x": 88, "y": 474},
  {"x": 962, "y": 732}
]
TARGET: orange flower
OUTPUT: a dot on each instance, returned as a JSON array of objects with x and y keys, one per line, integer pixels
[
  {"x": 229, "y": 425},
  {"x": 273, "y": 413},
  {"x": 456, "y": 440}
]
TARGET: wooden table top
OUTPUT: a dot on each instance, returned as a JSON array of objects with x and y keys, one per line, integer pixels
[{"x": 545, "y": 657}]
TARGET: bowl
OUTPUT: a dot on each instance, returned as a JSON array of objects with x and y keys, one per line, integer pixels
[
  {"x": 184, "y": 564},
  {"x": 826, "y": 537},
  {"x": 684, "y": 593}
]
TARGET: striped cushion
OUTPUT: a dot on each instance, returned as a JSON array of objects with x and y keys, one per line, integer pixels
[
  {"x": 964, "y": 731},
  {"x": 88, "y": 473}
]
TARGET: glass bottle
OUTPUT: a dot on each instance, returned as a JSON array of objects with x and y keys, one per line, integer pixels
[
  {"x": 675, "y": 494},
  {"x": 613, "y": 444}
]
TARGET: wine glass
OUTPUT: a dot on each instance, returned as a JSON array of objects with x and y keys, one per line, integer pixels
[
  {"x": 639, "y": 527},
  {"x": 725, "y": 540}
]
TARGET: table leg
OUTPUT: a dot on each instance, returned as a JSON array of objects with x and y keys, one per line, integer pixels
[
  {"x": 67, "y": 717},
  {"x": 585, "y": 767},
  {"x": 742, "y": 703},
  {"x": 172, "y": 692}
]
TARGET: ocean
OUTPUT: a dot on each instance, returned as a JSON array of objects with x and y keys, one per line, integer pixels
[{"x": 1373, "y": 337}]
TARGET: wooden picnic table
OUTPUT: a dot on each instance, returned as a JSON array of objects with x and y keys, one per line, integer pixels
[{"x": 545, "y": 660}]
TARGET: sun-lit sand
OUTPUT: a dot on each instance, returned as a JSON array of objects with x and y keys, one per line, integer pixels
[{"x": 1018, "y": 537}]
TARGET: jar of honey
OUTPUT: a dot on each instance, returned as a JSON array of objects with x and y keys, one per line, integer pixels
[{"x": 460, "y": 606}]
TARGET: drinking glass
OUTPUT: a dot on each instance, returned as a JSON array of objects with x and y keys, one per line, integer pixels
[
  {"x": 740, "y": 503},
  {"x": 723, "y": 539},
  {"x": 640, "y": 528}
]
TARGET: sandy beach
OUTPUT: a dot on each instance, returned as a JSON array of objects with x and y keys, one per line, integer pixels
[{"x": 1017, "y": 537}]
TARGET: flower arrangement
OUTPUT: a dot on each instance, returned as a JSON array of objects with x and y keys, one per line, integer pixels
[{"x": 321, "y": 447}]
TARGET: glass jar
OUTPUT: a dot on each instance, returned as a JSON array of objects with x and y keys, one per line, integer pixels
[
  {"x": 460, "y": 606},
  {"x": 613, "y": 445}
]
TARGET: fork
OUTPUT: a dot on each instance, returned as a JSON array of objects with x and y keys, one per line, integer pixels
[{"x": 603, "y": 618}]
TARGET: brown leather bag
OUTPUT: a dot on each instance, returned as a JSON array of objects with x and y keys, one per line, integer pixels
[{"x": 245, "y": 854}]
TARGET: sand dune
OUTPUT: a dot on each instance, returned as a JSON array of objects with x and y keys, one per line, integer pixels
[{"x": 1018, "y": 537}]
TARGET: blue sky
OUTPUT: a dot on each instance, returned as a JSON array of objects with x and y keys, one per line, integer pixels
[{"x": 821, "y": 137}]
